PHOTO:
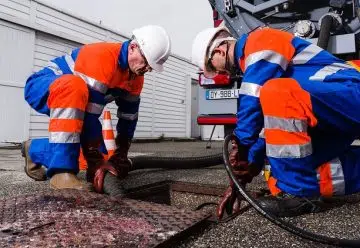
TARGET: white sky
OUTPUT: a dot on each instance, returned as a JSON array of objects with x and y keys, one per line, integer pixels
[{"x": 183, "y": 19}]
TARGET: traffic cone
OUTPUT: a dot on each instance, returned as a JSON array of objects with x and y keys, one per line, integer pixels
[
  {"x": 109, "y": 140},
  {"x": 108, "y": 134}
]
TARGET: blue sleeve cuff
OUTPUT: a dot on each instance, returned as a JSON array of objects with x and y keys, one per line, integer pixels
[{"x": 257, "y": 153}]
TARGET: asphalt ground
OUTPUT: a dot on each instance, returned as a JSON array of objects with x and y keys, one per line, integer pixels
[{"x": 247, "y": 230}]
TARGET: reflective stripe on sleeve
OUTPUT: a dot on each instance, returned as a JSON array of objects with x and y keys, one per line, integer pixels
[
  {"x": 94, "y": 108},
  {"x": 250, "y": 89},
  {"x": 267, "y": 55}
]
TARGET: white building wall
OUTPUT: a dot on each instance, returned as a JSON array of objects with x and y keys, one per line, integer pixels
[
  {"x": 14, "y": 113},
  {"x": 16, "y": 8},
  {"x": 164, "y": 108}
]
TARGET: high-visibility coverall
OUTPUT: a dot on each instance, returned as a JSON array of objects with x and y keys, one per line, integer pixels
[
  {"x": 73, "y": 90},
  {"x": 306, "y": 103}
]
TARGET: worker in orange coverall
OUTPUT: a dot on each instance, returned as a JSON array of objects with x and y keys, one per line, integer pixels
[{"x": 73, "y": 90}]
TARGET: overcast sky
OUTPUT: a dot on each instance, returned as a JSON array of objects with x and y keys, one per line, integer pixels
[{"x": 183, "y": 19}]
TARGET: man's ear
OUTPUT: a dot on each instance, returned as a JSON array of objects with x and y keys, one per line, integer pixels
[{"x": 132, "y": 47}]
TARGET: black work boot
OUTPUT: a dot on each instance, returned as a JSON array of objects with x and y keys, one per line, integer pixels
[
  {"x": 94, "y": 159},
  {"x": 34, "y": 171},
  {"x": 286, "y": 205}
]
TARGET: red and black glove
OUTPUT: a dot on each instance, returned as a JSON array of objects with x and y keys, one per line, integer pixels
[
  {"x": 100, "y": 176},
  {"x": 229, "y": 203},
  {"x": 118, "y": 164},
  {"x": 244, "y": 172},
  {"x": 119, "y": 160}
]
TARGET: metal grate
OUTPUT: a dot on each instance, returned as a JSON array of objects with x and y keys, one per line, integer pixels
[{"x": 71, "y": 218}]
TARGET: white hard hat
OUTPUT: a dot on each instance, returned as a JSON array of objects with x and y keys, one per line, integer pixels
[
  {"x": 204, "y": 44},
  {"x": 155, "y": 44}
]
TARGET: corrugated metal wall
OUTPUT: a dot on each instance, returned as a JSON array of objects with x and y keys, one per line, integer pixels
[
  {"x": 14, "y": 113},
  {"x": 17, "y": 8},
  {"x": 170, "y": 99},
  {"x": 56, "y": 20},
  {"x": 165, "y": 101}
]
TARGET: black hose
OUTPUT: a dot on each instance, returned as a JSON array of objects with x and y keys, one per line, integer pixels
[
  {"x": 113, "y": 185},
  {"x": 325, "y": 29},
  {"x": 152, "y": 162},
  {"x": 277, "y": 221}
]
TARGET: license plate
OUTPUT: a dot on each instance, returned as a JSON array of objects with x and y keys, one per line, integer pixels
[{"x": 222, "y": 94}]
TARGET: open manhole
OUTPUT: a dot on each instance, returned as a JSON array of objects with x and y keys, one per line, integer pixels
[
  {"x": 71, "y": 218},
  {"x": 191, "y": 196}
]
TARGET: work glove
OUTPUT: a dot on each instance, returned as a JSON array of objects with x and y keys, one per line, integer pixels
[
  {"x": 100, "y": 176},
  {"x": 118, "y": 164},
  {"x": 94, "y": 158},
  {"x": 119, "y": 160},
  {"x": 243, "y": 170},
  {"x": 229, "y": 203},
  {"x": 244, "y": 173}
]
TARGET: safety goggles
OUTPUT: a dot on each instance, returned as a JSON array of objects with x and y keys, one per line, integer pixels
[
  {"x": 146, "y": 62},
  {"x": 210, "y": 70}
]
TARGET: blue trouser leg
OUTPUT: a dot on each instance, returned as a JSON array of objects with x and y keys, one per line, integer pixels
[
  {"x": 36, "y": 94},
  {"x": 299, "y": 176},
  {"x": 65, "y": 105},
  {"x": 52, "y": 155},
  {"x": 40, "y": 151},
  {"x": 307, "y": 130}
]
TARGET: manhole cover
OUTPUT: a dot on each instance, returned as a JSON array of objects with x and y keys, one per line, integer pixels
[{"x": 81, "y": 219}]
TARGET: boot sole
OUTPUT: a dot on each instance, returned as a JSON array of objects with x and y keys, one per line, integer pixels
[{"x": 23, "y": 154}]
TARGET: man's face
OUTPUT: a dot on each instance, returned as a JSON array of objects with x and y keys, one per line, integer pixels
[
  {"x": 137, "y": 61},
  {"x": 217, "y": 61}
]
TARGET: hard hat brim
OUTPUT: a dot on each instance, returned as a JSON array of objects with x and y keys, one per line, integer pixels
[{"x": 157, "y": 67}]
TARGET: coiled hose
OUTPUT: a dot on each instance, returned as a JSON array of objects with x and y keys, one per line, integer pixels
[{"x": 277, "y": 221}]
